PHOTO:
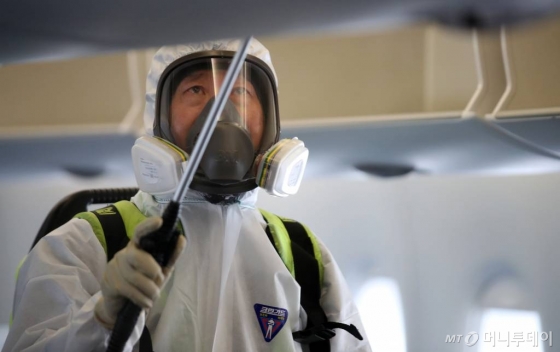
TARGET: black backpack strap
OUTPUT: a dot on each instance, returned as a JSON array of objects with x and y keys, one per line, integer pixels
[
  {"x": 110, "y": 229},
  {"x": 301, "y": 253},
  {"x": 114, "y": 230},
  {"x": 113, "y": 225},
  {"x": 308, "y": 264},
  {"x": 307, "y": 275}
]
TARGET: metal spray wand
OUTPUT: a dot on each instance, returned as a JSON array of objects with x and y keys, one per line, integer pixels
[{"x": 161, "y": 243}]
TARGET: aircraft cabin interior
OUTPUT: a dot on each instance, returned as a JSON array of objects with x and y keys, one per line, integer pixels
[{"x": 433, "y": 174}]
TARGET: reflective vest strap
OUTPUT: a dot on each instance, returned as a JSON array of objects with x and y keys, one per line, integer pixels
[
  {"x": 16, "y": 277},
  {"x": 306, "y": 258},
  {"x": 308, "y": 276},
  {"x": 114, "y": 225},
  {"x": 131, "y": 216},
  {"x": 314, "y": 244},
  {"x": 280, "y": 239},
  {"x": 95, "y": 226}
]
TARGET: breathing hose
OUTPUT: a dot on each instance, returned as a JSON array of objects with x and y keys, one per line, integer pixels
[{"x": 161, "y": 243}]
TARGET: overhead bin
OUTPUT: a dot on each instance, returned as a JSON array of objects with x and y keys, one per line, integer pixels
[
  {"x": 529, "y": 108},
  {"x": 423, "y": 99},
  {"x": 467, "y": 71},
  {"x": 86, "y": 95}
]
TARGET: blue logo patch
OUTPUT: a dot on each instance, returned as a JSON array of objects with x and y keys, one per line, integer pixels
[{"x": 271, "y": 320}]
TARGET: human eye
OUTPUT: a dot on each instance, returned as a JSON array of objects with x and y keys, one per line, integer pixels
[
  {"x": 241, "y": 91},
  {"x": 194, "y": 90}
]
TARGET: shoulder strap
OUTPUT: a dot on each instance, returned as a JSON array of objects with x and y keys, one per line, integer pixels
[
  {"x": 113, "y": 225},
  {"x": 278, "y": 236},
  {"x": 299, "y": 250}
]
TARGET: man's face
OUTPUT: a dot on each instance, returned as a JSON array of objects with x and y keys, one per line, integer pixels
[{"x": 194, "y": 92}]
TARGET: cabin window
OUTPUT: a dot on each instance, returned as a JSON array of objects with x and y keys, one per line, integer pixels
[
  {"x": 514, "y": 326},
  {"x": 380, "y": 306}
]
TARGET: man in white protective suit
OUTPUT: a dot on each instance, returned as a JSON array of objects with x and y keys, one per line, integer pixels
[{"x": 235, "y": 282}]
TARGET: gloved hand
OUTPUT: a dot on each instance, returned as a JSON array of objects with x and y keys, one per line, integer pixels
[{"x": 133, "y": 274}]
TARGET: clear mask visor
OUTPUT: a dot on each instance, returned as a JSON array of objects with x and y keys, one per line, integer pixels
[{"x": 190, "y": 89}]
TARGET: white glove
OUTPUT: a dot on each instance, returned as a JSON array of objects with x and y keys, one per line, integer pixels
[{"x": 133, "y": 274}]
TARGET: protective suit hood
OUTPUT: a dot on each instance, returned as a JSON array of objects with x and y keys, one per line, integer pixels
[{"x": 169, "y": 54}]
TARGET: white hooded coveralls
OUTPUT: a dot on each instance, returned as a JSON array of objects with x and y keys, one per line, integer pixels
[{"x": 229, "y": 265}]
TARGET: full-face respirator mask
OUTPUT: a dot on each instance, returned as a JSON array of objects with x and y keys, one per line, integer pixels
[{"x": 243, "y": 152}]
